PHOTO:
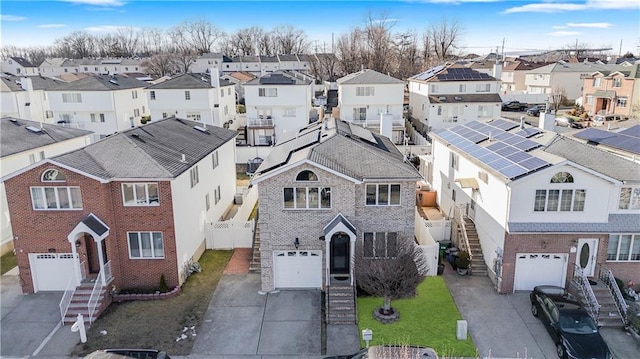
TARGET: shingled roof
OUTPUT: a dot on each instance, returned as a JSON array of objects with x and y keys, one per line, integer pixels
[
  {"x": 188, "y": 81},
  {"x": 102, "y": 83},
  {"x": 18, "y": 135},
  {"x": 368, "y": 77}
]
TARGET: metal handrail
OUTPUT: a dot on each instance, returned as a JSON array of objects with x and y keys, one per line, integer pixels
[
  {"x": 95, "y": 295},
  {"x": 107, "y": 272},
  {"x": 460, "y": 215},
  {"x": 593, "y": 308},
  {"x": 83, "y": 271},
  {"x": 607, "y": 277},
  {"x": 65, "y": 302}
]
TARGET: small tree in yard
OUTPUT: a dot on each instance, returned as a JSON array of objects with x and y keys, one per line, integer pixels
[{"x": 394, "y": 274}]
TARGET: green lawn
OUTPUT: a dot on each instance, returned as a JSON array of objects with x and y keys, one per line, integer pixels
[
  {"x": 7, "y": 262},
  {"x": 429, "y": 320}
]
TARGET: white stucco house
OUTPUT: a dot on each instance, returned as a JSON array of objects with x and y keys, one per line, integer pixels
[
  {"x": 53, "y": 67},
  {"x": 27, "y": 97},
  {"x": 23, "y": 143},
  {"x": 103, "y": 104},
  {"x": 205, "y": 98},
  {"x": 447, "y": 95},
  {"x": 277, "y": 103},
  {"x": 19, "y": 66}
]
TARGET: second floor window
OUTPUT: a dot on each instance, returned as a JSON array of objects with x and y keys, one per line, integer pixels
[
  {"x": 566, "y": 200},
  {"x": 383, "y": 195},
  {"x": 596, "y": 82},
  {"x": 483, "y": 87},
  {"x": 152, "y": 94},
  {"x": 462, "y": 88},
  {"x": 617, "y": 82},
  {"x": 134, "y": 94},
  {"x": 307, "y": 198},
  {"x": 455, "y": 160},
  {"x": 140, "y": 194},
  {"x": 629, "y": 198},
  {"x": 194, "y": 176},
  {"x": 365, "y": 91},
  {"x": 187, "y": 95},
  {"x": 56, "y": 198},
  {"x": 267, "y": 92},
  {"x": 71, "y": 97}
]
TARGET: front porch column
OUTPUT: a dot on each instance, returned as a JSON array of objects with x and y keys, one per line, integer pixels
[
  {"x": 76, "y": 263},
  {"x": 101, "y": 259}
]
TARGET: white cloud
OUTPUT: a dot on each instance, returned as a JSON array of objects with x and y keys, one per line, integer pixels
[
  {"x": 51, "y": 26},
  {"x": 564, "y": 33},
  {"x": 108, "y": 28},
  {"x": 97, "y": 2},
  {"x": 545, "y": 7},
  {"x": 558, "y": 27},
  {"x": 456, "y": 2},
  {"x": 550, "y": 7},
  {"x": 597, "y": 25},
  {"x": 12, "y": 18}
]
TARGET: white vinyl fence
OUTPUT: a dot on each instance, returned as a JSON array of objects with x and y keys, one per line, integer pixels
[
  {"x": 236, "y": 232},
  {"x": 427, "y": 245}
]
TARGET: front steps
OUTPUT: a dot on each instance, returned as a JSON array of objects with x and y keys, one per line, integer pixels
[
  {"x": 254, "y": 265},
  {"x": 80, "y": 303},
  {"x": 341, "y": 304},
  {"x": 608, "y": 316},
  {"x": 478, "y": 266}
]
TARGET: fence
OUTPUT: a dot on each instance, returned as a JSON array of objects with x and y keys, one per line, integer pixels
[
  {"x": 427, "y": 245},
  {"x": 236, "y": 232}
]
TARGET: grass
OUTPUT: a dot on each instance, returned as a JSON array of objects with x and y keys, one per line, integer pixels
[
  {"x": 429, "y": 320},
  {"x": 8, "y": 262},
  {"x": 157, "y": 324}
]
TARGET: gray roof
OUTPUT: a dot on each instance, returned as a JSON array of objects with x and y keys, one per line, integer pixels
[
  {"x": 102, "y": 83},
  {"x": 290, "y": 57},
  {"x": 268, "y": 59},
  {"x": 188, "y": 81},
  {"x": 211, "y": 55},
  {"x": 344, "y": 148},
  {"x": 9, "y": 85},
  {"x": 462, "y": 98},
  {"x": 153, "y": 150},
  {"x": 617, "y": 223},
  {"x": 594, "y": 158},
  {"x": 368, "y": 76},
  {"x": 589, "y": 67},
  {"x": 250, "y": 59},
  {"x": 16, "y": 138},
  {"x": 275, "y": 78},
  {"x": 23, "y": 62},
  {"x": 45, "y": 83}
]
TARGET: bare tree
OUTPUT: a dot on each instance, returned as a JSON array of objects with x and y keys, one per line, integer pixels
[
  {"x": 349, "y": 51},
  {"x": 266, "y": 46},
  {"x": 152, "y": 41},
  {"x": 289, "y": 40},
  {"x": 557, "y": 98},
  {"x": 161, "y": 64},
  {"x": 390, "y": 278},
  {"x": 377, "y": 37},
  {"x": 408, "y": 60},
  {"x": 199, "y": 35},
  {"x": 127, "y": 39},
  {"x": 180, "y": 46},
  {"x": 443, "y": 39}
]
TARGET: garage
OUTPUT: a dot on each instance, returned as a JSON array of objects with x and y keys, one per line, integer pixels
[
  {"x": 51, "y": 271},
  {"x": 297, "y": 269},
  {"x": 534, "y": 269}
]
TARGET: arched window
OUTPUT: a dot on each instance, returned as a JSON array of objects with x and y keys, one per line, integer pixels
[
  {"x": 306, "y": 175},
  {"x": 53, "y": 175},
  {"x": 562, "y": 177}
]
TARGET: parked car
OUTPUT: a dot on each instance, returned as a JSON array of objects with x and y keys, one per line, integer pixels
[
  {"x": 601, "y": 119},
  {"x": 128, "y": 353},
  {"x": 535, "y": 110},
  {"x": 567, "y": 122},
  {"x": 514, "y": 106},
  {"x": 390, "y": 352},
  {"x": 573, "y": 331}
]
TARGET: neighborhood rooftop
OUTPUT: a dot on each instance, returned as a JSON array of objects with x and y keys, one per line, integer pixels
[
  {"x": 102, "y": 83},
  {"x": 188, "y": 81},
  {"x": 18, "y": 135},
  {"x": 368, "y": 76}
]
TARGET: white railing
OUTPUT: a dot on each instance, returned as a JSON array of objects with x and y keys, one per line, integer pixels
[
  {"x": 580, "y": 279},
  {"x": 259, "y": 122},
  {"x": 83, "y": 271},
  {"x": 107, "y": 272},
  {"x": 95, "y": 297},
  {"x": 607, "y": 277},
  {"x": 460, "y": 213},
  {"x": 396, "y": 121},
  {"x": 66, "y": 298}
]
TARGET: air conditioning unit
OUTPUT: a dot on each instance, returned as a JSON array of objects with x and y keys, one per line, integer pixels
[{"x": 237, "y": 199}]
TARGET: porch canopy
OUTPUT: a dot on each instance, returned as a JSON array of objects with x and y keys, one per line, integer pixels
[{"x": 468, "y": 183}]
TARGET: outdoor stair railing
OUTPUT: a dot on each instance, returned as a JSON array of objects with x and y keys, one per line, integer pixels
[
  {"x": 460, "y": 214},
  {"x": 96, "y": 292},
  {"x": 65, "y": 302},
  {"x": 607, "y": 277},
  {"x": 592, "y": 306}
]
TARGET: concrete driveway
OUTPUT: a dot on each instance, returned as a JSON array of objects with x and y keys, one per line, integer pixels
[{"x": 502, "y": 326}]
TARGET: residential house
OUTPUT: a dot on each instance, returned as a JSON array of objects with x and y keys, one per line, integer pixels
[
  {"x": 613, "y": 92},
  {"x": 289, "y": 62},
  {"x": 53, "y": 67},
  {"x": 623, "y": 142},
  {"x": 198, "y": 97},
  {"x": 232, "y": 64},
  {"x": 373, "y": 100},
  {"x": 513, "y": 74},
  {"x": 333, "y": 194},
  {"x": 206, "y": 61},
  {"x": 13, "y": 98},
  {"x": 90, "y": 213},
  {"x": 238, "y": 79},
  {"x": 104, "y": 104},
  {"x": 251, "y": 64},
  {"x": 26, "y": 97},
  {"x": 23, "y": 143},
  {"x": 276, "y": 103},
  {"x": 269, "y": 64},
  {"x": 546, "y": 208},
  {"x": 447, "y": 95},
  {"x": 19, "y": 66},
  {"x": 561, "y": 78}
]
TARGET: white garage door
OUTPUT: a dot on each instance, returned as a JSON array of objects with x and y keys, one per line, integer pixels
[
  {"x": 534, "y": 269},
  {"x": 51, "y": 271},
  {"x": 298, "y": 269}
]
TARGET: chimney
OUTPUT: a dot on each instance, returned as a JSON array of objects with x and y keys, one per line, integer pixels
[
  {"x": 214, "y": 73},
  {"x": 497, "y": 70}
]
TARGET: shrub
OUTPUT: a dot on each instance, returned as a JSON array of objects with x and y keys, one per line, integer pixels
[
  {"x": 163, "y": 287},
  {"x": 241, "y": 109},
  {"x": 462, "y": 261},
  {"x": 145, "y": 119}
]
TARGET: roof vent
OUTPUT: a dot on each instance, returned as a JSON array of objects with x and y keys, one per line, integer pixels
[
  {"x": 442, "y": 98},
  {"x": 457, "y": 98},
  {"x": 114, "y": 82},
  {"x": 184, "y": 158},
  {"x": 34, "y": 129},
  {"x": 201, "y": 129},
  {"x": 14, "y": 120},
  {"x": 135, "y": 135}
]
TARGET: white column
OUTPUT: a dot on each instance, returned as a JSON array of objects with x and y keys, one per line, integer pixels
[
  {"x": 101, "y": 260},
  {"x": 76, "y": 262}
]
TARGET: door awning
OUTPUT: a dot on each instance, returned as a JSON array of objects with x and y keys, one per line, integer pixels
[
  {"x": 468, "y": 183},
  {"x": 602, "y": 93}
]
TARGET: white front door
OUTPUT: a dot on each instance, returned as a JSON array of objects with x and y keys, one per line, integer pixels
[
  {"x": 297, "y": 269},
  {"x": 586, "y": 256}
]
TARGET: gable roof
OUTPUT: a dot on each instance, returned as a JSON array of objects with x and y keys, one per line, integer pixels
[
  {"x": 9, "y": 85},
  {"x": 560, "y": 67},
  {"x": 22, "y": 61},
  {"x": 153, "y": 150},
  {"x": 280, "y": 77},
  {"x": 452, "y": 72},
  {"x": 368, "y": 76},
  {"x": 188, "y": 81},
  {"x": 102, "y": 83},
  {"x": 16, "y": 137},
  {"x": 268, "y": 59},
  {"x": 342, "y": 147},
  {"x": 290, "y": 57}
]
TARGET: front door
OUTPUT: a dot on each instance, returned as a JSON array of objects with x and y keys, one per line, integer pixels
[
  {"x": 340, "y": 254},
  {"x": 586, "y": 256}
]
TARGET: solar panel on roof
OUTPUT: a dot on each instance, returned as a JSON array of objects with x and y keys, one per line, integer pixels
[
  {"x": 533, "y": 163},
  {"x": 362, "y": 133},
  {"x": 513, "y": 171},
  {"x": 429, "y": 73},
  {"x": 518, "y": 156},
  {"x": 528, "y": 132},
  {"x": 503, "y": 124},
  {"x": 626, "y": 140},
  {"x": 526, "y": 145}
]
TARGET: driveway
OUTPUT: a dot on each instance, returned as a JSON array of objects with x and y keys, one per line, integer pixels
[{"x": 502, "y": 326}]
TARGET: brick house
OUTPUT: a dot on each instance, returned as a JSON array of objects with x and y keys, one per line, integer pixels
[
  {"x": 126, "y": 209},
  {"x": 327, "y": 190},
  {"x": 611, "y": 92},
  {"x": 544, "y": 206}
]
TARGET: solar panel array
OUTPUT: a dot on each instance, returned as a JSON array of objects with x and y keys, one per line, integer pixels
[
  {"x": 463, "y": 73},
  {"x": 626, "y": 140},
  {"x": 362, "y": 133},
  {"x": 280, "y": 153},
  {"x": 276, "y": 79},
  {"x": 528, "y": 132},
  {"x": 507, "y": 154},
  {"x": 429, "y": 73}
]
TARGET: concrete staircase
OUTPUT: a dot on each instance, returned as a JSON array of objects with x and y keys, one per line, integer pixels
[
  {"x": 254, "y": 265},
  {"x": 341, "y": 304},
  {"x": 609, "y": 316},
  {"x": 478, "y": 266},
  {"x": 80, "y": 303}
]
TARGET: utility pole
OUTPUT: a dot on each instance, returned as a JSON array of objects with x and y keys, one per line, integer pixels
[
  {"x": 620, "y": 51},
  {"x": 502, "y": 49}
]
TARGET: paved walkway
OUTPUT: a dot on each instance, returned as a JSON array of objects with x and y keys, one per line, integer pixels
[{"x": 239, "y": 262}]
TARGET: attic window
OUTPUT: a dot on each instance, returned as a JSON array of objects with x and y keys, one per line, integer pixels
[
  {"x": 562, "y": 177},
  {"x": 53, "y": 175},
  {"x": 306, "y": 175}
]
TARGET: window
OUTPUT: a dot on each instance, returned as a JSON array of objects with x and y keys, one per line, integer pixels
[
  {"x": 289, "y": 112},
  {"x": 207, "y": 203},
  {"x": 306, "y": 175},
  {"x": 629, "y": 198},
  {"x": 562, "y": 177},
  {"x": 194, "y": 176},
  {"x": 359, "y": 113},
  {"x": 37, "y": 156},
  {"x": 48, "y": 114},
  {"x": 483, "y": 87},
  {"x": 193, "y": 116},
  {"x": 140, "y": 194},
  {"x": 484, "y": 111},
  {"x": 621, "y": 102},
  {"x": 596, "y": 81},
  {"x": 229, "y": 91},
  {"x": 434, "y": 89},
  {"x": 217, "y": 194},
  {"x": 380, "y": 244},
  {"x": 134, "y": 94},
  {"x": 439, "y": 110},
  {"x": 214, "y": 159},
  {"x": 52, "y": 175},
  {"x": 623, "y": 247},
  {"x": 72, "y": 97},
  {"x": 164, "y": 115},
  {"x": 589, "y": 100},
  {"x": 617, "y": 82},
  {"x": 136, "y": 112},
  {"x": 144, "y": 109},
  {"x": 566, "y": 200},
  {"x": 221, "y": 92},
  {"x": 454, "y": 160},
  {"x": 365, "y": 91},
  {"x": 145, "y": 245},
  {"x": 153, "y": 95},
  {"x": 54, "y": 198},
  {"x": 187, "y": 95},
  {"x": 462, "y": 88},
  {"x": 383, "y": 195},
  {"x": 307, "y": 197},
  {"x": 267, "y": 92}
]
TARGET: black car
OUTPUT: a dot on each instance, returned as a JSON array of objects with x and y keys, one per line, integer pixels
[
  {"x": 514, "y": 106},
  {"x": 572, "y": 329},
  {"x": 535, "y": 110}
]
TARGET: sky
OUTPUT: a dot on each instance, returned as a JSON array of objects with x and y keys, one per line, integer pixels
[{"x": 518, "y": 26}]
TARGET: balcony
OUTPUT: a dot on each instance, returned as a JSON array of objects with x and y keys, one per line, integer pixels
[
  {"x": 397, "y": 121},
  {"x": 266, "y": 122}
]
